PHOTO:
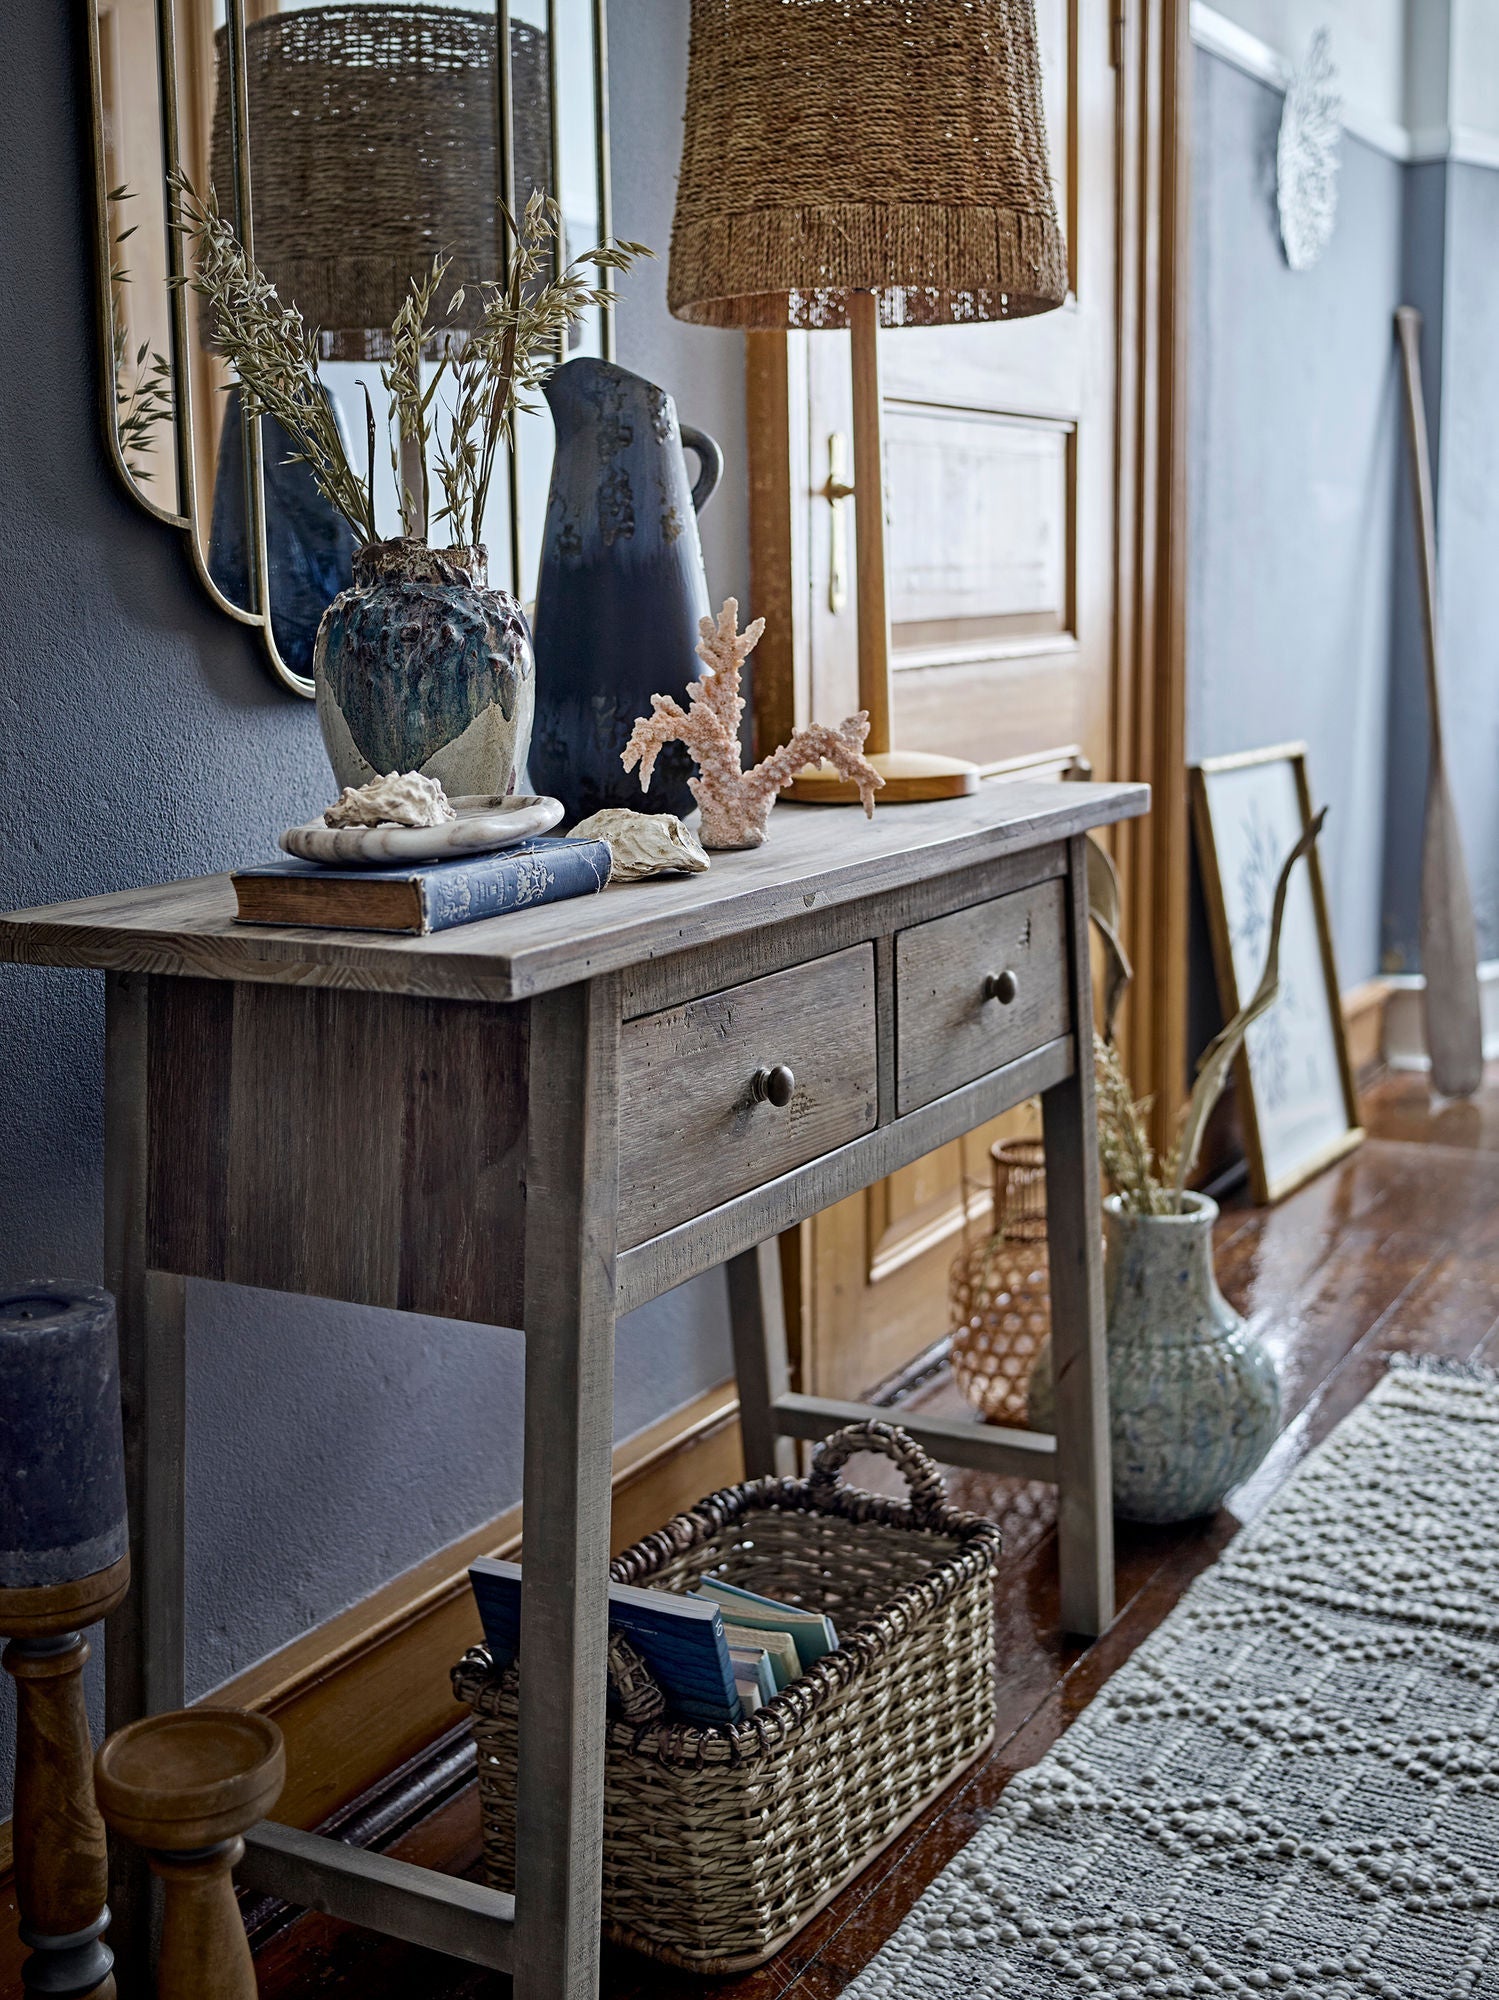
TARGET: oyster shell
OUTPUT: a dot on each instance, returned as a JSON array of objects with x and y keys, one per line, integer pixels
[
  {"x": 400, "y": 798},
  {"x": 644, "y": 843}
]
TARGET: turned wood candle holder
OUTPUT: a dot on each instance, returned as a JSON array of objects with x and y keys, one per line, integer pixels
[
  {"x": 64, "y": 1565},
  {"x": 61, "y": 1865},
  {"x": 185, "y": 1786}
]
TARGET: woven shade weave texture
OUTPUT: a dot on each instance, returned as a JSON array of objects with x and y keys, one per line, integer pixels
[
  {"x": 373, "y": 145},
  {"x": 894, "y": 146}
]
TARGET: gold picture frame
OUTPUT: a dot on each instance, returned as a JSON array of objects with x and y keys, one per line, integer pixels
[{"x": 1297, "y": 1098}]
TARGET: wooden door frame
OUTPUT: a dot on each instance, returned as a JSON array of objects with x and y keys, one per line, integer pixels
[{"x": 1152, "y": 60}]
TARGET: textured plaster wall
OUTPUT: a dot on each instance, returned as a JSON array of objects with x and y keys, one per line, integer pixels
[
  {"x": 141, "y": 738},
  {"x": 1294, "y": 440}
]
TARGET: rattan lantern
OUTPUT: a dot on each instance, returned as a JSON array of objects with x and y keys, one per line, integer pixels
[
  {"x": 863, "y": 163},
  {"x": 1000, "y": 1289}
]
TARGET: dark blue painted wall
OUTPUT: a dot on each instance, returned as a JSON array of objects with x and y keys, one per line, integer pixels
[{"x": 141, "y": 738}]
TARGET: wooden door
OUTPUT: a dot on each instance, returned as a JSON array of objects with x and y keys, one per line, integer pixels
[{"x": 1001, "y": 484}]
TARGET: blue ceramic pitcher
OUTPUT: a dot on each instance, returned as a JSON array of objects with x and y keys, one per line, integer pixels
[{"x": 621, "y": 589}]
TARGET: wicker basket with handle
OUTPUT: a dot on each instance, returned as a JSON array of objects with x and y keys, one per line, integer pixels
[{"x": 721, "y": 1842}]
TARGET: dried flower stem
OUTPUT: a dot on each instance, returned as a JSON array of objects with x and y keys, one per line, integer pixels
[
  {"x": 523, "y": 324},
  {"x": 1144, "y": 1185},
  {"x": 273, "y": 353},
  {"x": 143, "y": 388}
]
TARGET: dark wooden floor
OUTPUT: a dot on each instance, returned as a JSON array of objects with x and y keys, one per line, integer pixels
[{"x": 1396, "y": 1249}]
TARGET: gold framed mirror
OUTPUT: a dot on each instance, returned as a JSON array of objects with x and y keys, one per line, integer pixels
[{"x": 349, "y": 141}]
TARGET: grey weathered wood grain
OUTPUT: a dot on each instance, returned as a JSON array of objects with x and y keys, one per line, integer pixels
[
  {"x": 367, "y": 1147},
  {"x": 885, "y": 989},
  {"x": 696, "y": 1132},
  {"x": 816, "y": 859},
  {"x": 949, "y": 1029},
  {"x": 1085, "y": 1515},
  {"x": 572, "y": 1185},
  {"x": 757, "y": 1322},
  {"x": 668, "y": 981},
  {"x": 1006, "y": 1454},
  {"x": 144, "y": 1643},
  {"x": 443, "y": 1912},
  {"x": 192, "y": 1069},
  {"x": 648, "y": 1269},
  {"x": 315, "y": 1162}
]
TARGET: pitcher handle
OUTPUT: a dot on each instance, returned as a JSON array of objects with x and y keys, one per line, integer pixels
[{"x": 710, "y": 464}]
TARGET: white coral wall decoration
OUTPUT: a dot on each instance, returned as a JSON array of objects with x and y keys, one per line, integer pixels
[{"x": 1306, "y": 156}]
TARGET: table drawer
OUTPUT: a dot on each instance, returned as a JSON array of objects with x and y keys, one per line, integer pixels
[
  {"x": 951, "y": 1023},
  {"x": 693, "y": 1131}
]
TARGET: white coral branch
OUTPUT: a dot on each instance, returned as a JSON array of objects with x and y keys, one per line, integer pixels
[
  {"x": 736, "y": 803},
  {"x": 841, "y": 747},
  {"x": 666, "y": 723}
]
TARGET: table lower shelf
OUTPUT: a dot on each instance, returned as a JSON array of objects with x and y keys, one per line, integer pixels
[
  {"x": 1004, "y": 1454},
  {"x": 443, "y": 1912}
]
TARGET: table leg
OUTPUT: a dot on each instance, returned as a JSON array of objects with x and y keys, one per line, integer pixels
[
  {"x": 757, "y": 1324},
  {"x": 572, "y": 1183},
  {"x": 1085, "y": 1519},
  {"x": 144, "y": 1660}
]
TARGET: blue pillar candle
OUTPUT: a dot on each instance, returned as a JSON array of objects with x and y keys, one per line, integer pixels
[{"x": 62, "y": 1462}]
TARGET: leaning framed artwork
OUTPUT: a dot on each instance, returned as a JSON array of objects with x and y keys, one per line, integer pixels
[{"x": 1297, "y": 1099}]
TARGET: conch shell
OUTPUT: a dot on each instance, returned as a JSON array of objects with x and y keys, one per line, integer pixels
[
  {"x": 644, "y": 843},
  {"x": 400, "y": 798}
]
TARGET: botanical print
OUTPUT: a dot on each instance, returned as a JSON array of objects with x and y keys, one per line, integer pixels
[{"x": 1292, "y": 1050}]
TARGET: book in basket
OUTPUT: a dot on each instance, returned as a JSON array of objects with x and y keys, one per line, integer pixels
[
  {"x": 720, "y": 1843},
  {"x": 681, "y": 1639},
  {"x": 423, "y": 897}
]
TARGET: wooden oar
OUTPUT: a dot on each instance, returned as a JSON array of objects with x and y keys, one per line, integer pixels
[{"x": 1449, "y": 945}]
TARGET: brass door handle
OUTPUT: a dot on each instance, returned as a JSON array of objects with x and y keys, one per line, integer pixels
[
  {"x": 775, "y": 1085},
  {"x": 836, "y": 490},
  {"x": 1001, "y": 986}
]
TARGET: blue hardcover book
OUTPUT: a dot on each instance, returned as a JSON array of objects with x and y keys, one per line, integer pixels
[
  {"x": 681, "y": 1639},
  {"x": 432, "y": 896}
]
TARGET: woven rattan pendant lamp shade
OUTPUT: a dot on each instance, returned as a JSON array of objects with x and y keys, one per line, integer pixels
[
  {"x": 890, "y": 146},
  {"x": 858, "y": 163},
  {"x": 374, "y": 144}
]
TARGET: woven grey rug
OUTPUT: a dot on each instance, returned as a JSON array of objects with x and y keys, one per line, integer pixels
[{"x": 1292, "y": 1789}]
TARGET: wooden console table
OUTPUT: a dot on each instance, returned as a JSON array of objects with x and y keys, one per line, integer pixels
[{"x": 542, "y": 1121}]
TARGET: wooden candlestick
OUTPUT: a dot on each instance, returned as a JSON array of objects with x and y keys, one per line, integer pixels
[
  {"x": 61, "y": 1866},
  {"x": 185, "y": 1786},
  {"x": 910, "y": 775}
]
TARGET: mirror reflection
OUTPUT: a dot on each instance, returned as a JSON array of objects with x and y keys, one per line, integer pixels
[
  {"x": 139, "y": 351},
  {"x": 349, "y": 144}
]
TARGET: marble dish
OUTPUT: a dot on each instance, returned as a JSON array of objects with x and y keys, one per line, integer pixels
[{"x": 481, "y": 825}]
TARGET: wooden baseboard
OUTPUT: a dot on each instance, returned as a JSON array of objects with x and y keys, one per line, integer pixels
[
  {"x": 1363, "y": 1023},
  {"x": 368, "y": 1690}
]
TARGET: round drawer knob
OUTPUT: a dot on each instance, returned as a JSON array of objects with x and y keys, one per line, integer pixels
[
  {"x": 1001, "y": 986},
  {"x": 774, "y": 1086}
]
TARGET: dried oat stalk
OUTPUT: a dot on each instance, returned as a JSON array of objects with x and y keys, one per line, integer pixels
[
  {"x": 1147, "y": 1186},
  {"x": 521, "y": 335}
]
